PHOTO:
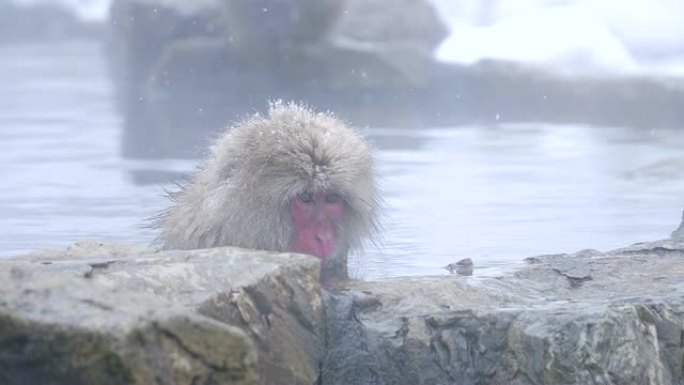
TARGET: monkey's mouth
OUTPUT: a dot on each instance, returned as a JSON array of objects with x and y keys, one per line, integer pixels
[
  {"x": 318, "y": 249},
  {"x": 325, "y": 251}
]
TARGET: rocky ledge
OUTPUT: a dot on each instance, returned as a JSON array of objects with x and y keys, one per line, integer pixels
[{"x": 121, "y": 315}]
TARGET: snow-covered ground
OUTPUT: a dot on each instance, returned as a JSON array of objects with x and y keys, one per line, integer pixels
[
  {"x": 579, "y": 35},
  {"x": 617, "y": 36}
]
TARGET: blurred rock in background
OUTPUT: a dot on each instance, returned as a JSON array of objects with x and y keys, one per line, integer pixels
[{"x": 183, "y": 70}]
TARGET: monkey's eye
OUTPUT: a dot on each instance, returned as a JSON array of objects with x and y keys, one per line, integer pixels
[
  {"x": 306, "y": 197},
  {"x": 332, "y": 198}
]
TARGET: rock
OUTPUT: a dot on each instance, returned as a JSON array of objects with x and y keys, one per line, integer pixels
[
  {"x": 679, "y": 233},
  {"x": 662, "y": 170},
  {"x": 374, "y": 37},
  {"x": 286, "y": 43},
  {"x": 117, "y": 314},
  {"x": 462, "y": 267},
  {"x": 409, "y": 22},
  {"x": 113, "y": 314},
  {"x": 261, "y": 25},
  {"x": 602, "y": 318}
]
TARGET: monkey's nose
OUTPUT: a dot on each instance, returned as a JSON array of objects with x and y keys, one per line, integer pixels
[
  {"x": 326, "y": 243},
  {"x": 325, "y": 236}
]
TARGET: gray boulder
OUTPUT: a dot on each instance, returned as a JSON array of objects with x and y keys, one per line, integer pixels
[
  {"x": 586, "y": 318},
  {"x": 107, "y": 314}
]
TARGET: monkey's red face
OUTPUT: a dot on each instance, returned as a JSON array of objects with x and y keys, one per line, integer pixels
[{"x": 316, "y": 219}]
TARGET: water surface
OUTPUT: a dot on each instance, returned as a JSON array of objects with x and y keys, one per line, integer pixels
[{"x": 495, "y": 193}]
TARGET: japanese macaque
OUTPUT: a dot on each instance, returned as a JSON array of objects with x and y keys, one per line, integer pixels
[{"x": 293, "y": 181}]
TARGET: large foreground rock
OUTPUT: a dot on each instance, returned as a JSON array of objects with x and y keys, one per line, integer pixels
[
  {"x": 120, "y": 315},
  {"x": 586, "y": 318}
]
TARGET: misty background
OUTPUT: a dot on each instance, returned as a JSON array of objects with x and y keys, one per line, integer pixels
[{"x": 502, "y": 129}]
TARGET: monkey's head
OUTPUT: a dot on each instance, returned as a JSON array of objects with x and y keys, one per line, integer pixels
[{"x": 294, "y": 180}]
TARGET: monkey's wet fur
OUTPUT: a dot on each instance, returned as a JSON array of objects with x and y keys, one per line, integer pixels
[{"x": 293, "y": 180}]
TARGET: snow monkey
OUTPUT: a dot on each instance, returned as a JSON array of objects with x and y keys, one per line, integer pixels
[{"x": 293, "y": 180}]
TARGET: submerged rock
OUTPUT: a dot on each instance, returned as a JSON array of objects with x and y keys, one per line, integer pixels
[{"x": 463, "y": 267}]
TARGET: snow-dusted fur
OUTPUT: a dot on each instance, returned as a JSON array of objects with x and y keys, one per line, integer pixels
[{"x": 241, "y": 195}]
